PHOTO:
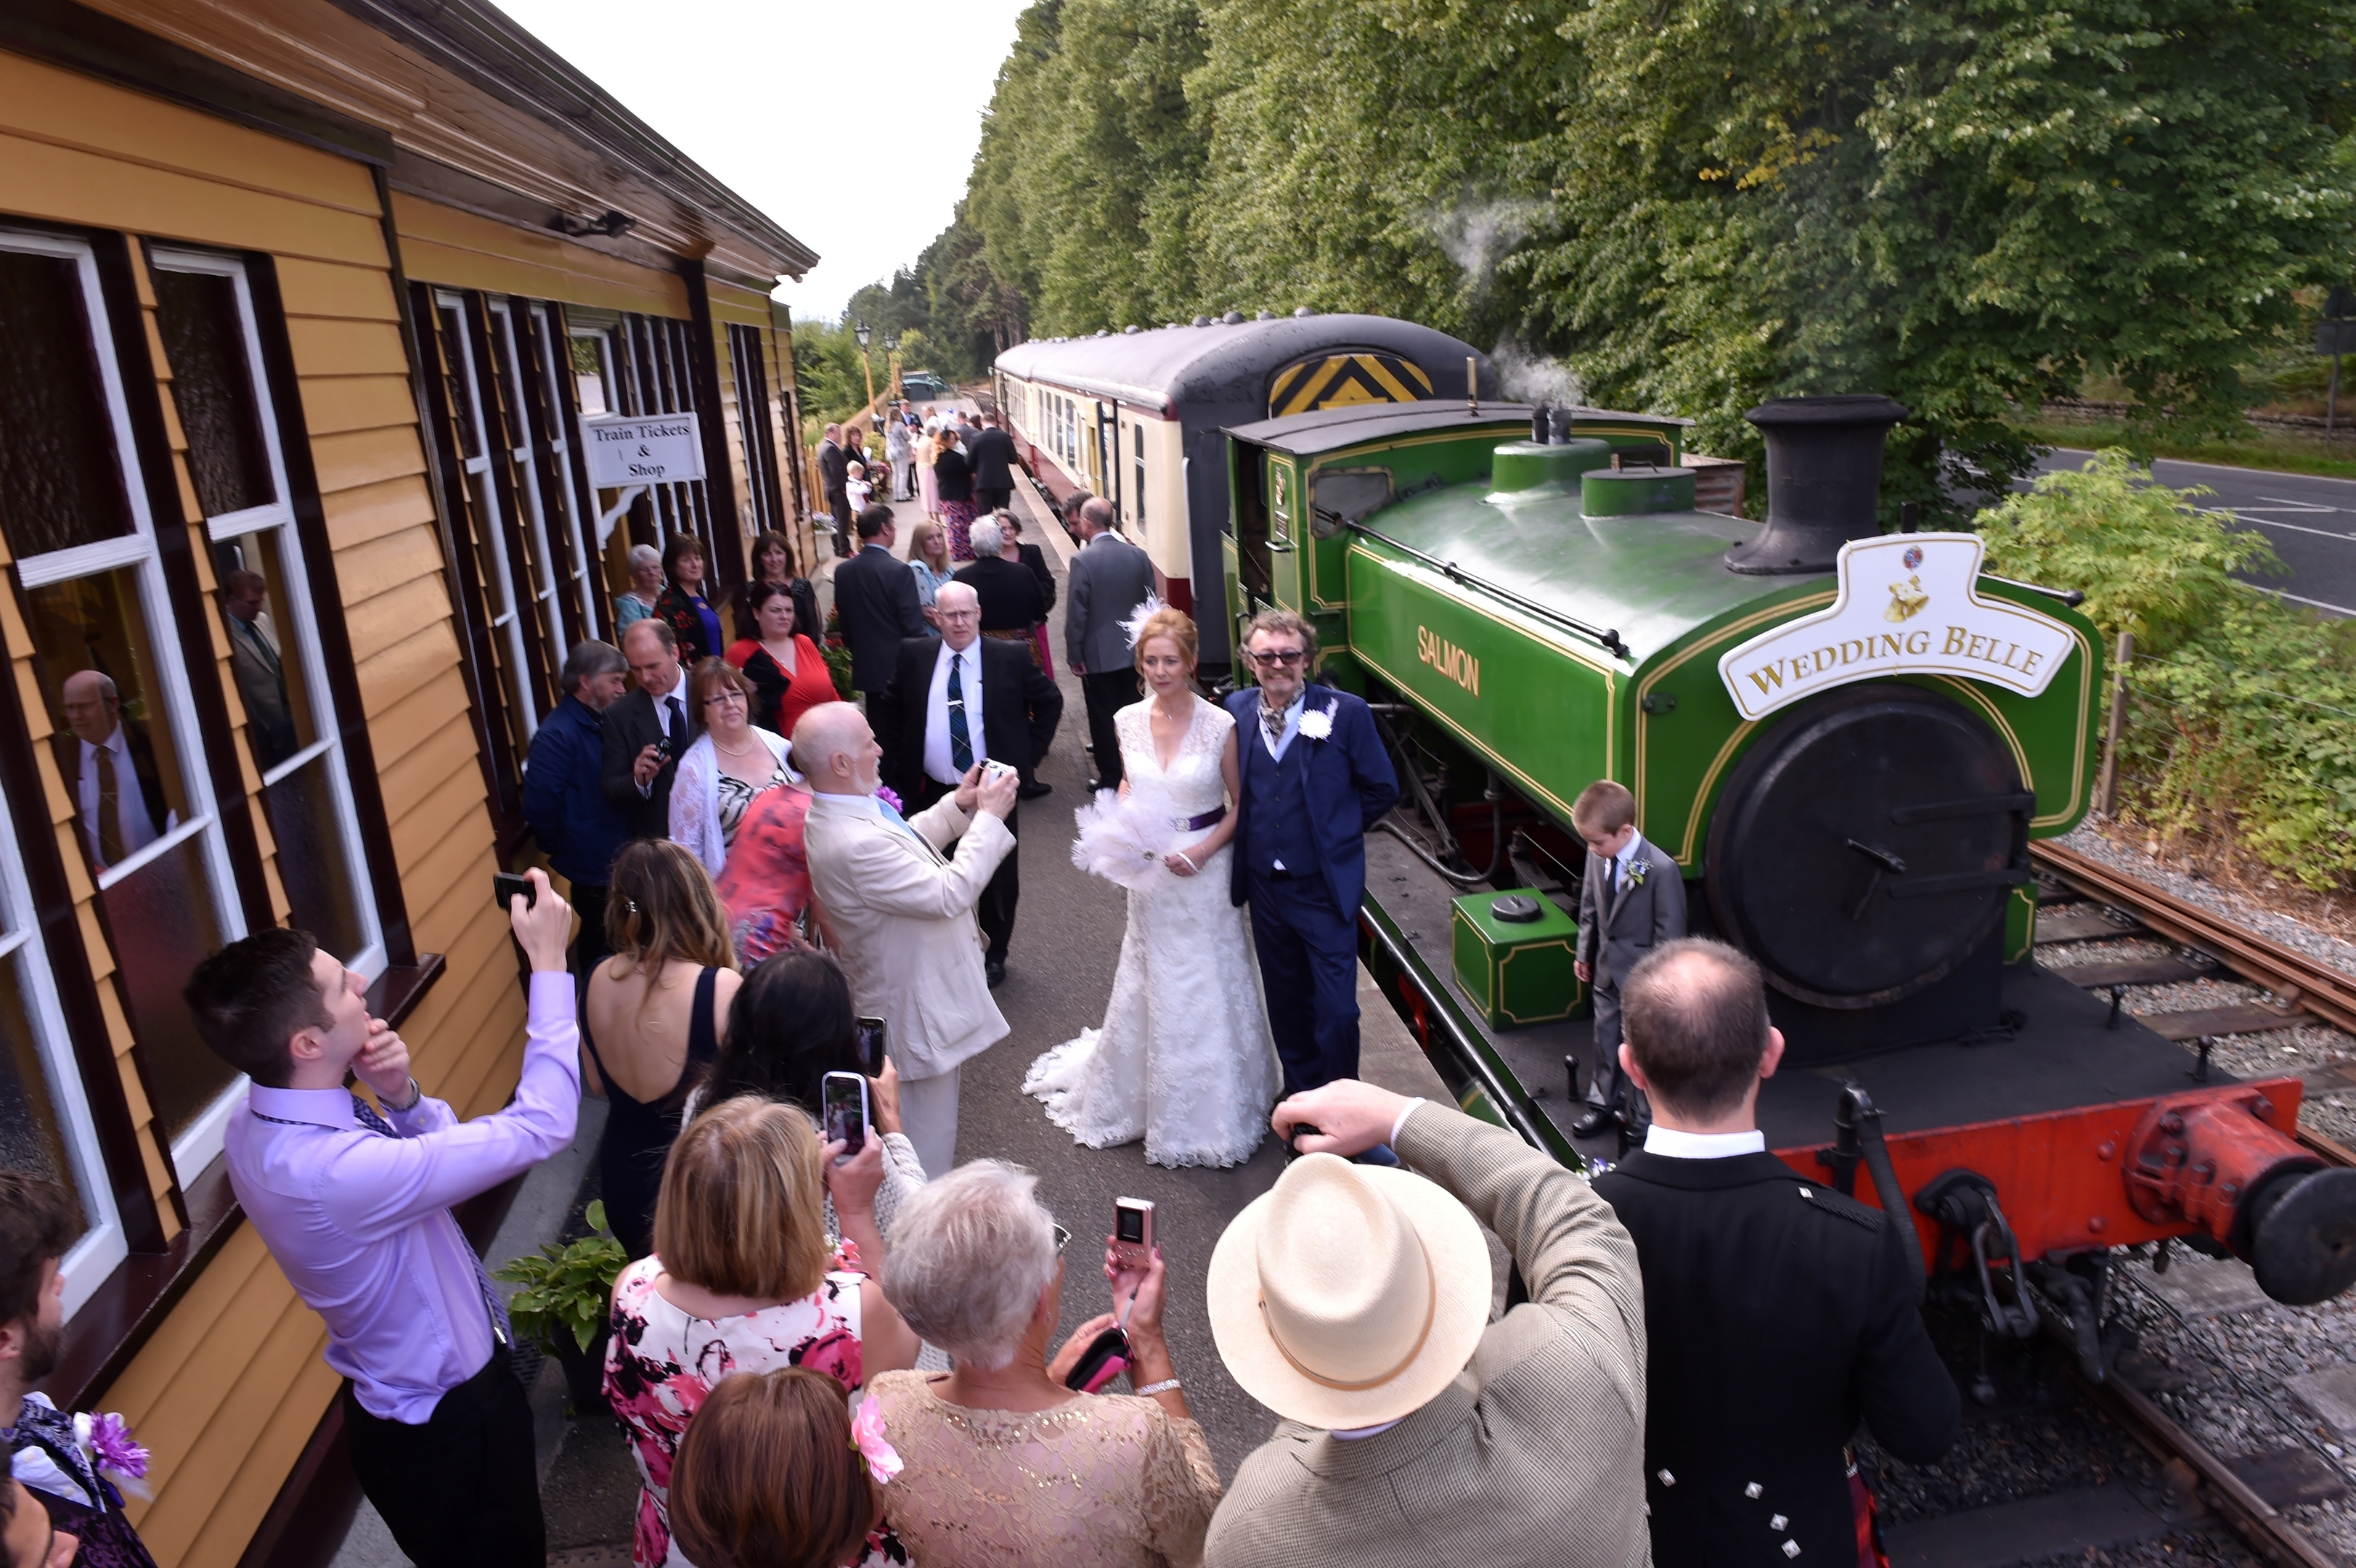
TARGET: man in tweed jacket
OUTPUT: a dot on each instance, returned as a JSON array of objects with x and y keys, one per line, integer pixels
[{"x": 1533, "y": 1454}]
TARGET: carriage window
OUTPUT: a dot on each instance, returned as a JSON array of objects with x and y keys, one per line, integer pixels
[
  {"x": 60, "y": 485},
  {"x": 108, "y": 668},
  {"x": 205, "y": 315}
]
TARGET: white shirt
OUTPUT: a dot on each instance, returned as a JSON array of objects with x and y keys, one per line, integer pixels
[
  {"x": 1623, "y": 860},
  {"x": 1668, "y": 1141},
  {"x": 1277, "y": 747},
  {"x": 937, "y": 764},
  {"x": 130, "y": 801}
]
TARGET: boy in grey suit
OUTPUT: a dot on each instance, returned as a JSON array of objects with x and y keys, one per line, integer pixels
[
  {"x": 1109, "y": 578},
  {"x": 1631, "y": 901}
]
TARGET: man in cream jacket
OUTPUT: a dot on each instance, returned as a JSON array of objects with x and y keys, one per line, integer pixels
[{"x": 900, "y": 895}]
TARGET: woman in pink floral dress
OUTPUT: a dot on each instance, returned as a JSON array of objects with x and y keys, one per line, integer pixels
[{"x": 743, "y": 1278}]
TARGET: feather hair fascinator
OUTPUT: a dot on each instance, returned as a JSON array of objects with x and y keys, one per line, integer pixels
[{"x": 1134, "y": 627}]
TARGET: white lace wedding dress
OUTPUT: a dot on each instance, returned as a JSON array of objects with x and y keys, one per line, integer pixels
[{"x": 1185, "y": 1059}]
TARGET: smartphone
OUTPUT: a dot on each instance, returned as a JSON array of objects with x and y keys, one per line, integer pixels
[
  {"x": 507, "y": 885},
  {"x": 1132, "y": 1231},
  {"x": 1106, "y": 1358},
  {"x": 845, "y": 1110},
  {"x": 869, "y": 1033}
]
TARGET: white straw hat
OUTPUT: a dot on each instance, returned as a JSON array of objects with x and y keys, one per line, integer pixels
[{"x": 1349, "y": 1295}]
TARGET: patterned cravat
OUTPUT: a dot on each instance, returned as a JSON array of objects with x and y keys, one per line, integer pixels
[
  {"x": 1272, "y": 721},
  {"x": 960, "y": 738},
  {"x": 501, "y": 1329}
]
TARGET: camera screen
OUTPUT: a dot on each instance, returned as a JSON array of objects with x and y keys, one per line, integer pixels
[
  {"x": 1128, "y": 1224},
  {"x": 844, "y": 1122},
  {"x": 869, "y": 1035}
]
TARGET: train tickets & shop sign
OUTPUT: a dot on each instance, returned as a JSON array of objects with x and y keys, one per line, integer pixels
[
  {"x": 1907, "y": 604},
  {"x": 665, "y": 450}
]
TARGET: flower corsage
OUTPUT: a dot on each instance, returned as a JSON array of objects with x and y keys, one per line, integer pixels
[
  {"x": 868, "y": 1441},
  {"x": 106, "y": 1442},
  {"x": 1635, "y": 873},
  {"x": 1317, "y": 723}
]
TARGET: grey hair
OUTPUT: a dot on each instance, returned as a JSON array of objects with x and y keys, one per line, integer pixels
[
  {"x": 588, "y": 659},
  {"x": 1280, "y": 623},
  {"x": 972, "y": 1255},
  {"x": 985, "y": 537},
  {"x": 644, "y": 555}
]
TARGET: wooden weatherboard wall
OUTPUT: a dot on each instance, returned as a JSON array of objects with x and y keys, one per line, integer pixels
[{"x": 231, "y": 1386}]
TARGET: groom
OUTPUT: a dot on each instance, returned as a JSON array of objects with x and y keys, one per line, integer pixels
[{"x": 1314, "y": 779}]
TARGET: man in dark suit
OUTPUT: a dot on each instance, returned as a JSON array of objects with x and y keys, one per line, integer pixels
[
  {"x": 1631, "y": 899},
  {"x": 1315, "y": 777},
  {"x": 833, "y": 474},
  {"x": 1777, "y": 1312},
  {"x": 1109, "y": 578},
  {"x": 991, "y": 453},
  {"x": 109, "y": 766},
  {"x": 564, "y": 792},
  {"x": 954, "y": 701},
  {"x": 647, "y": 731},
  {"x": 875, "y": 598}
]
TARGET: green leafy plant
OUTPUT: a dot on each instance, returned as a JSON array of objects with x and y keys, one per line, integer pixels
[{"x": 566, "y": 1290}]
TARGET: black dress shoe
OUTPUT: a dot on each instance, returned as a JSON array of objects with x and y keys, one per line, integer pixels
[
  {"x": 993, "y": 972},
  {"x": 1593, "y": 1123},
  {"x": 1033, "y": 790}
]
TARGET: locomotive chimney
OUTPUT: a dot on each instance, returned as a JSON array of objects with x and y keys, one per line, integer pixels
[
  {"x": 1824, "y": 480},
  {"x": 1538, "y": 425}
]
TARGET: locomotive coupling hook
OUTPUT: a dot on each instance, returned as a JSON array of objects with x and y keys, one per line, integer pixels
[{"x": 2220, "y": 1161}]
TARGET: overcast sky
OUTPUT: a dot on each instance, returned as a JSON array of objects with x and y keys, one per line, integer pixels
[{"x": 852, "y": 126}]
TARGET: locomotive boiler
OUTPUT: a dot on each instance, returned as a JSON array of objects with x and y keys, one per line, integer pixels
[{"x": 1846, "y": 739}]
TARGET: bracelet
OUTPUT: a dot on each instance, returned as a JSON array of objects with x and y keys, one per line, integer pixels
[
  {"x": 1167, "y": 1385},
  {"x": 416, "y": 1094},
  {"x": 1188, "y": 858}
]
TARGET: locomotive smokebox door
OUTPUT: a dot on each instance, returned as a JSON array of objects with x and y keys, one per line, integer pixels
[
  {"x": 1513, "y": 955},
  {"x": 1863, "y": 852}
]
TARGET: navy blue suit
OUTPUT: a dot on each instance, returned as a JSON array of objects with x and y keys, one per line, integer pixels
[{"x": 1309, "y": 811}]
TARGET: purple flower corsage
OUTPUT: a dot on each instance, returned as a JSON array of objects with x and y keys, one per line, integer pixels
[{"x": 885, "y": 794}]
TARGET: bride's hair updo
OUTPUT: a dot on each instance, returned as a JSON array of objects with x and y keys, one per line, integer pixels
[{"x": 1175, "y": 625}]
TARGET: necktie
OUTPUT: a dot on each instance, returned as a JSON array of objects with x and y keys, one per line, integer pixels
[
  {"x": 893, "y": 817},
  {"x": 960, "y": 738},
  {"x": 677, "y": 726},
  {"x": 260, "y": 645},
  {"x": 501, "y": 1329},
  {"x": 1272, "y": 721},
  {"x": 110, "y": 810}
]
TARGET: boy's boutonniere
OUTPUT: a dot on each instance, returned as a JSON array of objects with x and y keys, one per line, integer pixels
[
  {"x": 1317, "y": 723},
  {"x": 1636, "y": 873}
]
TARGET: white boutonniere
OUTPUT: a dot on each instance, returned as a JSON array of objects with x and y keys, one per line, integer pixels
[
  {"x": 1317, "y": 723},
  {"x": 1635, "y": 873}
]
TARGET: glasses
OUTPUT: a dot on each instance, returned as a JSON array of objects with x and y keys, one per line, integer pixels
[
  {"x": 1277, "y": 658},
  {"x": 722, "y": 699},
  {"x": 960, "y": 614},
  {"x": 1063, "y": 1240}
]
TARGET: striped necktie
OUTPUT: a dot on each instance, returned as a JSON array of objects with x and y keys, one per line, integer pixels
[{"x": 960, "y": 738}]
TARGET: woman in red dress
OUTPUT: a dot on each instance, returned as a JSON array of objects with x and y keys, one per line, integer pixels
[{"x": 787, "y": 672}]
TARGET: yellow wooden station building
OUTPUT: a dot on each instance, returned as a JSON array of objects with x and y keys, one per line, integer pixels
[{"x": 303, "y": 305}]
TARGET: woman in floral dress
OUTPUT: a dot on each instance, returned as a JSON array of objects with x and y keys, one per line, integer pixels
[{"x": 743, "y": 1278}]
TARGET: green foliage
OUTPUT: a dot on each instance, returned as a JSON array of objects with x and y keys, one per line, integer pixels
[
  {"x": 568, "y": 1289},
  {"x": 828, "y": 374},
  {"x": 2149, "y": 559},
  {"x": 2241, "y": 723}
]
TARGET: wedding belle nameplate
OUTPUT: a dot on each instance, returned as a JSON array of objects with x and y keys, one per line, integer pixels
[
  {"x": 1907, "y": 604},
  {"x": 665, "y": 450}
]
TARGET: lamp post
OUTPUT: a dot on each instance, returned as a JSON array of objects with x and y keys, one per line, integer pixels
[
  {"x": 891, "y": 362},
  {"x": 860, "y": 330}
]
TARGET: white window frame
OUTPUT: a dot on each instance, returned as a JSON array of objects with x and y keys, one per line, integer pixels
[
  {"x": 506, "y": 617},
  {"x": 295, "y": 586},
  {"x": 535, "y": 506},
  {"x": 562, "y": 392},
  {"x": 199, "y": 1143}
]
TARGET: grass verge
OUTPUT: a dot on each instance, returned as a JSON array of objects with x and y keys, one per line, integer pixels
[{"x": 2280, "y": 450}]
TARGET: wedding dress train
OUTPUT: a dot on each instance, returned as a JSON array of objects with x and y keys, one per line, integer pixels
[{"x": 1185, "y": 1059}]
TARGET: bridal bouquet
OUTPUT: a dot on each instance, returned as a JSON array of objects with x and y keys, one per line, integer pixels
[{"x": 1123, "y": 840}]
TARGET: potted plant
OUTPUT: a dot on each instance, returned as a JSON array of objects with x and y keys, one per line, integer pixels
[{"x": 566, "y": 1304}]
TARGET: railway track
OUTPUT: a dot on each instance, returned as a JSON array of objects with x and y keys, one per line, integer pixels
[{"x": 2084, "y": 901}]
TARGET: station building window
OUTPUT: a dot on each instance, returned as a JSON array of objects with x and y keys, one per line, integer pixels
[{"x": 106, "y": 661}]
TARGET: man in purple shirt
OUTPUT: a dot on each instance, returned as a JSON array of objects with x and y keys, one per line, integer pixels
[{"x": 356, "y": 1208}]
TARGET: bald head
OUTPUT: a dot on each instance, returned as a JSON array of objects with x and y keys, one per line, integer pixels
[
  {"x": 958, "y": 608},
  {"x": 90, "y": 704},
  {"x": 837, "y": 750},
  {"x": 1695, "y": 1016},
  {"x": 1096, "y": 513}
]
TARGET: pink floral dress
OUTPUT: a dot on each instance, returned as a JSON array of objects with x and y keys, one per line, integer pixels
[{"x": 661, "y": 1362}]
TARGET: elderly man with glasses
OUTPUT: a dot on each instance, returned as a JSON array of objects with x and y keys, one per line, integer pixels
[{"x": 1315, "y": 777}]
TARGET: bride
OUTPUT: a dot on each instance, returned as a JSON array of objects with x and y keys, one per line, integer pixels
[{"x": 1185, "y": 1059}]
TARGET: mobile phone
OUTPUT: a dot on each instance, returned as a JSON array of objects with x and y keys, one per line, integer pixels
[
  {"x": 1106, "y": 1358},
  {"x": 507, "y": 885},
  {"x": 845, "y": 1110},
  {"x": 869, "y": 1033},
  {"x": 1132, "y": 1231}
]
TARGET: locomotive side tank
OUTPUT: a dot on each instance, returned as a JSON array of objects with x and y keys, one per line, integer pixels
[{"x": 1845, "y": 739}]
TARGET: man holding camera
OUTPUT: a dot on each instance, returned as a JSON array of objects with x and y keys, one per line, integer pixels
[
  {"x": 647, "y": 731},
  {"x": 954, "y": 700}
]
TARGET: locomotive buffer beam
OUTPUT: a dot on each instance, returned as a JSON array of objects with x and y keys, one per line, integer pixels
[{"x": 2221, "y": 1163}]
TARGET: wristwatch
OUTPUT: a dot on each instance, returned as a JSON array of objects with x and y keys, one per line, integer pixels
[{"x": 416, "y": 1095}]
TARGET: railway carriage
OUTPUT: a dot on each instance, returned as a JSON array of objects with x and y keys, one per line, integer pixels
[
  {"x": 1136, "y": 416},
  {"x": 1846, "y": 739}
]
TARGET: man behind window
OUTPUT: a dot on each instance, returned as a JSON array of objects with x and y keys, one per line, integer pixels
[
  {"x": 109, "y": 766},
  {"x": 355, "y": 1207},
  {"x": 253, "y": 659}
]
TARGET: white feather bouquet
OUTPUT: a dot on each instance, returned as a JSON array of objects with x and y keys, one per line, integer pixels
[{"x": 1123, "y": 840}]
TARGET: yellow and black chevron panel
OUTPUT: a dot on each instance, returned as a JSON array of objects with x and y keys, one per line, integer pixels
[{"x": 1338, "y": 380}]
